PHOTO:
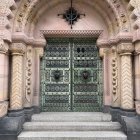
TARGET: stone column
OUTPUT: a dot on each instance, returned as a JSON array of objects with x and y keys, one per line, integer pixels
[
  {"x": 105, "y": 54},
  {"x": 3, "y": 78},
  {"x": 137, "y": 76},
  {"x": 107, "y": 77},
  {"x": 36, "y": 98},
  {"x": 16, "y": 95},
  {"x": 127, "y": 93}
]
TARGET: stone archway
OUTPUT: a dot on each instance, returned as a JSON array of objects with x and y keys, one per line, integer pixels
[
  {"x": 21, "y": 29},
  {"x": 34, "y": 24},
  {"x": 28, "y": 22}
]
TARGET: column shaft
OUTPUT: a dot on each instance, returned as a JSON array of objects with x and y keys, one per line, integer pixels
[
  {"x": 107, "y": 77},
  {"x": 137, "y": 77},
  {"x": 16, "y": 96},
  {"x": 36, "y": 98},
  {"x": 3, "y": 78},
  {"x": 125, "y": 50},
  {"x": 127, "y": 94}
]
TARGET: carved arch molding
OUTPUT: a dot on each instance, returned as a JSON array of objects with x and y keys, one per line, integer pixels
[{"x": 15, "y": 14}]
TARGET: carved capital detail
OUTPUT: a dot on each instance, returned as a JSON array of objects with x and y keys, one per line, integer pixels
[
  {"x": 137, "y": 47},
  {"x": 3, "y": 47},
  {"x": 18, "y": 48},
  {"x": 3, "y": 108},
  {"x": 40, "y": 51},
  {"x": 125, "y": 48}
]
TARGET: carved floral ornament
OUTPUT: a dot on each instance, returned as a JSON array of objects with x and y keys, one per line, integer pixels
[
  {"x": 125, "y": 48},
  {"x": 3, "y": 47},
  {"x": 6, "y": 7},
  {"x": 18, "y": 48},
  {"x": 28, "y": 74}
]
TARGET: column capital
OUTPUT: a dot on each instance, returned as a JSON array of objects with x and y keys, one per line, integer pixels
[
  {"x": 104, "y": 51},
  {"x": 3, "y": 47},
  {"x": 125, "y": 48},
  {"x": 40, "y": 51},
  {"x": 18, "y": 48},
  {"x": 101, "y": 52},
  {"x": 137, "y": 47}
]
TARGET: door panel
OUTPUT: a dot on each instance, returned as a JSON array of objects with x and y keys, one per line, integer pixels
[
  {"x": 55, "y": 81},
  {"x": 86, "y": 70},
  {"x": 71, "y": 76}
]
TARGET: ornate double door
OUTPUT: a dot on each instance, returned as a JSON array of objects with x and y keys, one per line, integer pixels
[{"x": 71, "y": 75}]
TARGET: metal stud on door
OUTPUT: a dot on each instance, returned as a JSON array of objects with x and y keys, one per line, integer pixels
[{"x": 71, "y": 76}]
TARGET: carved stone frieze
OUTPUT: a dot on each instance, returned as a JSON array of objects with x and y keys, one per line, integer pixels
[
  {"x": 28, "y": 94},
  {"x": 6, "y": 7},
  {"x": 23, "y": 13},
  {"x": 122, "y": 15},
  {"x": 3, "y": 47},
  {"x": 3, "y": 108},
  {"x": 115, "y": 78},
  {"x": 136, "y": 12},
  {"x": 70, "y": 33}
]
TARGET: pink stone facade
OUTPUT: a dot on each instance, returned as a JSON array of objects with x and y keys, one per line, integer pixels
[{"x": 24, "y": 24}]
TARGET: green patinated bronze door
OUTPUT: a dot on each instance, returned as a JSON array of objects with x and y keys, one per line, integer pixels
[{"x": 71, "y": 75}]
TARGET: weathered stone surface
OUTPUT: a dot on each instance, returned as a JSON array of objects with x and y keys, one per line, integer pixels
[
  {"x": 72, "y": 135},
  {"x": 71, "y": 117},
  {"x": 16, "y": 95},
  {"x": 72, "y": 126},
  {"x": 11, "y": 125}
]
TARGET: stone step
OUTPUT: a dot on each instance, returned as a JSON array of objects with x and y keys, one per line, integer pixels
[
  {"x": 72, "y": 126},
  {"x": 71, "y": 117},
  {"x": 70, "y": 135}
]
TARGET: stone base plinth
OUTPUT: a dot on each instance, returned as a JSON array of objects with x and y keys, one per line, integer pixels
[
  {"x": 106, "y": 109},
  {"x": 11, "y": 125},
  {"x": 131, "y": 126},
  {"x": 129, "y": 120},
  {"x": 28, "y": 113},
  {"x": 37, "y": 109}
]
